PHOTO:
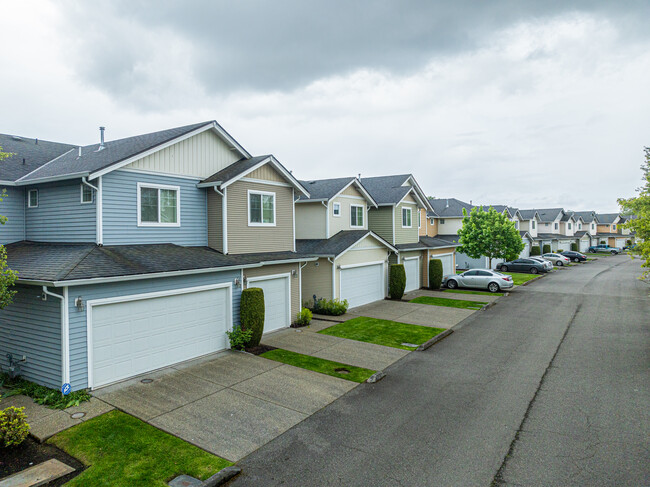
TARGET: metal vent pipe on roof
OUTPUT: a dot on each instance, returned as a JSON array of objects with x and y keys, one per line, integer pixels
[{"x": 101, "y": 137}]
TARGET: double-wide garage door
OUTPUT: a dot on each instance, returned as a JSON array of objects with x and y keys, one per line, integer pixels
[
  {"x": 362, "y": 284},
  {"x": 132, "y": 335}
]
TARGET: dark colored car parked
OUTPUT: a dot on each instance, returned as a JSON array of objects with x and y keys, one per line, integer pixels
[
  {"x": 523, "y": 265},
  {"x": 574, "y": 256}
]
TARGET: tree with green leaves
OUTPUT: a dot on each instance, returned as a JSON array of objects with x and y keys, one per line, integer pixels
[
  {"x": 7, "y": 276},
  {"x": 3, "y": 194},
  {"x": 639, "y": 208},
  {"x": 490, "y": 234}
]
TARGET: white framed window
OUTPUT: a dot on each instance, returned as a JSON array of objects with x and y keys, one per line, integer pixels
[
  {"x": 32, "y": 198},
  {"x": 419, "y": 219},
  {"x": 516, "y": 224},
  {"x": 406, "y": 218},
  {"x": 159, "y": 205},
  {"x": 336, "y": 209},
  {"x": 546, "y": 224},
  {"x": 86, "y": 194},
  {"x": 261, "y": 208},
  {"x": 593, "y": 226},
  {"x": 533, "y": 222},
  {"x": 431, "y": 221},
  {"x": 579, "y": 226},
  {"x": 569, "y": 225},
  {"x": 356, "y": 216},
  {"x": 442, "y": 221},
  {"x": 613, "y": 227},
  {"x": 555, "y": 226}
]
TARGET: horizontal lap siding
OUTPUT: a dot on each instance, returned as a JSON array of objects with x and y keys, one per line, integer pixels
[
  {"x": 317, "y": 280},
  {"x": 380, "y": 221},
  {"x": 311, "y": 221},
  {"x": 406, "y": 235},
  {"x": 340, "y": 223},
  {"x": 32, "y": 327},
  {"x": 78, "y": 335},
  {"x": 60, "y": 215},
  {"x": 280, "y": 269},
  {"x": 13, "y": 207},
  {"x": 215, "y": 221},
  {"x": 120, "y": 208}
]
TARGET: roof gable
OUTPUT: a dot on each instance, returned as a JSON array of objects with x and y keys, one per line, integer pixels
[
  {"x": 391, "y": 190},
  {"x": 34, "y": 152},
  {"x": 449, "y": 207}
]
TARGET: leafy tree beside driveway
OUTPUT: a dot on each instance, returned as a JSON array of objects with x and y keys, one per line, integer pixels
[
  {"x": 7, "y": 276},
  {"x": 490, "y": 234}
]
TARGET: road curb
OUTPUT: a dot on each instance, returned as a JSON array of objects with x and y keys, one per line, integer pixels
[
  {"x": 434, "y": 340},
  {"x": 222, "y": 477},
  {"x": 533, "y": 280}
]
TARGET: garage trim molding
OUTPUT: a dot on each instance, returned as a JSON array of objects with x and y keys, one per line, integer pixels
[
  {"x": 349, "y": 266},
  {"x": 136, "y": 297},
  {"x": 286, "y": 276},
  {"x": 435, "y": 256}
]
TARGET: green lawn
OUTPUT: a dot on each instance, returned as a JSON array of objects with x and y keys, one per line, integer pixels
[
  {"x": 467, "y": 291},
  {"x": 383, "y": 332},
  {"x": 327, "y": 367},
  {"x": 518, "y": 278},
  {"x": 122, "y": 450},
  {"x": 449, "y": 303}
]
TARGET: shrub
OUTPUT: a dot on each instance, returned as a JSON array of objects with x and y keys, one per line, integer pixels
[
  {"x": 13, "y": 427},
  {"x": 332, "y": 307},
  {"x": 239, "y": 338},
  {"x": 42, "y": 395},
  {"x": 628, "y": 242},
  {"x": 252, "y": 313},
  {"x": 397, "y": 282},
  {"x": 535, "y": 250},
  {"x": 547, "y": 248},
  {"x": 304, "y": 317},
  {"x": 435, "y": 273},
  {"x": 574, "y": 247}
]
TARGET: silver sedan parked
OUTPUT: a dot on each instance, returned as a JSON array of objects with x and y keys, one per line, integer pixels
[
  {"x": 493, "y": 281},
  {"x": 547, "y": 263}
]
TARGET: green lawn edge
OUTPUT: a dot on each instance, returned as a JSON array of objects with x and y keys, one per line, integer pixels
[
  {"x": 120, "y": 449},
  {"x": 448, "y": 303},
  {"x": 320, "y": 365},
  {"x": 463, "y": 291},
  {"x": 383, "y": 332}
]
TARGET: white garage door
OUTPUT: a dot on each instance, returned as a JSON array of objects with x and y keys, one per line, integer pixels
[
  {"x": 362, "y": 284},
  {"x": 620, "y": 242},
  {"x": 277, "y": 301},
  {"x": 447, "y": 263},
  {"x": 526, "y": 252},
  {"x": 584, "y": 245},
  {"x": 412, "y": 268},
  {"x": 146, "y": 332}
]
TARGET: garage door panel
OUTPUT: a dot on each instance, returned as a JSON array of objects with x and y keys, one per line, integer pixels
[
  {"x": 277, "y": 302},
  {"x": 412, "y": 268},
  {"x": 362, "y": 284},
  {"x": 447, "y": 263}
]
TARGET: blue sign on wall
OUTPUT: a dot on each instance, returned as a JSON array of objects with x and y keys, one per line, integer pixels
[{"x": 65, "y": 390}]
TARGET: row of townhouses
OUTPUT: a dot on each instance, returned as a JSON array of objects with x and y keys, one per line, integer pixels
[{"x": 132, "y": 254}]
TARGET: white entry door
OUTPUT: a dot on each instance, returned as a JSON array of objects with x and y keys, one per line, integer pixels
[
  {"x": 277, "y": 300},
  {"x": 131, "y": 335},
  {"x": 362, "y": 284},
  {"x": 412, "y": 268}
]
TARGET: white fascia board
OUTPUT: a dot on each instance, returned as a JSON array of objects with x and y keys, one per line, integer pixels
[
  {"x": 228, "y": 138},
  {"x": 317, "y": 200},
  {"x": 287, "y": 261},
  {"x": 421, "y": 194},
  {"x": 50, "y": 179},
  {"x": 48, "y": 162},
  {"x": 361, "y": 190},
  {"x": 373, "y": 235},
  {"x": 8, "y": 183},
  {"x": 214, "y": 184},
  {"x": 417, "y": 197},
  {"x": 274, "y": 162}
]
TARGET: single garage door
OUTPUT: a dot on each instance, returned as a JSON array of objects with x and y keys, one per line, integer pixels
[
  {"x": 447, "y": 263},
  {"x": 142, "y": 333},
  {"x": 584, "y": 245},
  {"x": 412, "y": 268},
  {"x": 526, "y": 252},
  {"x": 620, "y": 242},
  {"x": 277, "y": 301},
  {"x": 362, "y": 284}
]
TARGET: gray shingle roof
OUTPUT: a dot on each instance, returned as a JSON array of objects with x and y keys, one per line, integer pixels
[
  {"x": 449, "y": 207},
  {"x": 587, "y": 216},
  {"x": 438, "y": 242},
  {"x": 548, "y": 236},
  {"x": 235, "y": 169},
  {"x": 333, "y": 246},
  {"x": 35, "y": 155},
  {"x": 527, "y": 214},
  {"x": 324, "y": 189},
  {"x": 549, "y": 214},
  {"x": 607, "y": 218},
  {"x": 387, "y": 190},
  {"x": 114, "y": 151}
]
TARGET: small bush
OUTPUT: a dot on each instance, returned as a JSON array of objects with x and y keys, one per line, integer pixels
[
  {"x": 13, "y": 427},
  {"x": 331, "y": 307},
  {"x": 628, "y": 242},
  {"x": 547, "y": 248},
  {"x": 303, "y": 318},
  {"x": 42, "y": 395},
  {"x": 239, "y": 338},
  {"x": 435, "y": 273},
  {"x": 574, "y": 247},
  {"x": 252, "y": 314},
  {"x": 397, "y": 282},
  {"x": 535, "y": 250}
]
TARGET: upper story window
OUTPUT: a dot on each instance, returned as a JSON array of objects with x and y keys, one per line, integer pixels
[
  {"x": 419, "y": 219},
  {"x": 336, "y": 209},
  {"x": 555, "y": 225},
  {"x": 533, "y": 223},
  {"x": 261, "y": 209},
  {"x": 356, "y": 216},
  {"x": 32, "y": 198},
  {"x": 86, "y": 194},
  {"x": 569, "y": 226},
  {"x": 442, "y": 221},
  {"x": 579, "y": 226},
  {"x": 158, "y": 205},
  {"x": 406, "y": 218},
  {"x": 593, "y": 226},
  {"x": 546, "y": 224},
  {"x": 431, "y": 222},
  {"x": 517, "y": 224},
  {"x": 613, "y": 227}
]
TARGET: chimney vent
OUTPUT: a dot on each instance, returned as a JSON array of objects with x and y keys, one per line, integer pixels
[
  {"x": 23, "y": 161},
  {"x": 447, "y": 204},
  {"x": 101, "y": 138},
  {"x": 79, "y": 151},
  {"x": 36, "y": 141}
]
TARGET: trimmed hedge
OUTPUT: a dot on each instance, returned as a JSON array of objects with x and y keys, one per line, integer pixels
[
  {"x": 535, "y": 250},
  {"x": 397, "y": 281},
  {"x": 332, "y": 307},
  {"x": 547, "y": 248},
  {"x": 574, "y": 247},
  {"x": 252, "y": 313},
  {"x": 435, "y": 273}
]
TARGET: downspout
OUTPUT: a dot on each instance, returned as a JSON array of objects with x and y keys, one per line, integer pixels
[
  {"x": 300, "y": 267},
  {"x": 331, "y": 261},
  {"x": 293, "y": 217},
  {"x": 65, "y": 333},
  {"x": 224, "y": 216},
  {"x": 327, "y": 220},
  {"x": 99, "y": 204}
]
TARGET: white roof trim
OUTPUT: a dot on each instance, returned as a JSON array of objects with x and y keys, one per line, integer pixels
[
  {"x": 361, "y": 190},
  {"x": 417, "y": 197},
  {"x": 418, "y": 189},
  {"x": 38, "y": 168},
  {"x": 268, "y": 160}
]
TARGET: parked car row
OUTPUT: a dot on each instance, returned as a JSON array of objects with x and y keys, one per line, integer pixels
[
  {"x": 488, "y": 279},
  {"x": 603, "y": 248}
]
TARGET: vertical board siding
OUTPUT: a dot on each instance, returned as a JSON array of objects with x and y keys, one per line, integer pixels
[
  {"x": 267, "y": 173},
  {"x": 60, "y": 215},
  {"x": 120, "y": 208},
  {"x": 406, "y": 235},
  {"x": 215, "y": 221},
  {"x": 311, "y": 220},
  {"x": 380, "y": 221},
  {"x": 78, "y": 335},
  {"x": 32, "y": 327},
  {"x": 269, "y": 270},
  {"x": 243, "y": 239},
  {"x": 317, "y": 280},
  {"x": 13, "y": 207},
  {"x": 200, "y": 156}
]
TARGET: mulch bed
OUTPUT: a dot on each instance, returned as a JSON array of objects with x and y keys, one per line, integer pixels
[
  {"x": 260, "y": 349},
  {"x": 30, "y": 453}
]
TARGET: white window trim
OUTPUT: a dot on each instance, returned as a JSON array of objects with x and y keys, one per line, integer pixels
[
  {"x": 362, "y": 216},
  {"x": 29, "y": 198},
  {"x": 81, "y": 196},
  {"x": 419, "y": 219},
  {"x": 533, "y": 222},
  {"x": 248, "y": 208},
  {"x": 159, "y": 187},
  {"x": 336, "y": 206},
  {"x": 411, "y": 217}
]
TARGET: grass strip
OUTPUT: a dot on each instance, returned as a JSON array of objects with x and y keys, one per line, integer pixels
[
  {"x": 467, "y": 291},
  {"x": 449, "y": 303},
  {"x": 122, "y": 450},
  {"x": 518, "y": 278},
  {"x": 383, "y": 332},
  {"x": 323, "y": 366}
]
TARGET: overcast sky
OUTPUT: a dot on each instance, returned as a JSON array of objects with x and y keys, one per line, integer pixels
[{"x": 530, "y": 104}]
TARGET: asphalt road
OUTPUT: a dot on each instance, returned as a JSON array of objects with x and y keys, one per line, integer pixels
[{"x": 550, "y": 387}]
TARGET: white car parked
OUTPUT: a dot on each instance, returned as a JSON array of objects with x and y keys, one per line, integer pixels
[{"x": 557, "y": 259}]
